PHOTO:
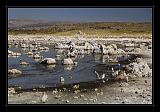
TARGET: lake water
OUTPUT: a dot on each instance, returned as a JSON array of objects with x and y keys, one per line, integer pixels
[{"x": 37, "y": 75}]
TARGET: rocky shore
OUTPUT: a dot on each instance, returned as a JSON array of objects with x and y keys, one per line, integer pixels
[{"x": 131, "y": 86}]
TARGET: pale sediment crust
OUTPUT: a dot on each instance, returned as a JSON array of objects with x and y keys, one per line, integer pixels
[{"x": 86, "y": 38}]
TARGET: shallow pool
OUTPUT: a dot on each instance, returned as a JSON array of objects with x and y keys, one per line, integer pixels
[{"x": 37, "y": 75}]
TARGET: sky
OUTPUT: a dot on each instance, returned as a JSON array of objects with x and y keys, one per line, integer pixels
[{"x": 83, "y": 14}]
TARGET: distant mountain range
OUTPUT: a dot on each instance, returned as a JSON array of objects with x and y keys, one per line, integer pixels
[
  {"x": 25, "y": 23},
  {"x": 29, "y": 23}
]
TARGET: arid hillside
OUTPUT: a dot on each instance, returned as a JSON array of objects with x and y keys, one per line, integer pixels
[{"x": 102, "y": 29}]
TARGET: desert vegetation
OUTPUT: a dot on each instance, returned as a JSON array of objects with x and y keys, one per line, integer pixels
[{"x": 91, "y": 28}]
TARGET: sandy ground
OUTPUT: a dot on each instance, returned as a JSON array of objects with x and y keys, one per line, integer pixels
[{"x": 136, "y": 91}]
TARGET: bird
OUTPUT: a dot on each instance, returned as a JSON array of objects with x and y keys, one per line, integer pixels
[
  {"x": 61, "y": 80},
  {"x": 112, "y": 69},
  {"x": 119, "y": 65},
  {"x": 97, "y": 74},
  {"x": 103, "y": 76},
  {"x": 23, "y": 62},
  {"x": 44, "y": 98}
]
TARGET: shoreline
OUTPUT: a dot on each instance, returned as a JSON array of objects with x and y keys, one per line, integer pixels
[
  {"x": 136, "y": 91},
  {"x": 109, "y": 38}
]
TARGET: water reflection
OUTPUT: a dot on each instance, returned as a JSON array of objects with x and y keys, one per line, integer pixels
[
  {"x": 60, "y": 51},
  {"x": 49, "y": 67},
  {"x": 36, "y": 60},
  {"x": 102, "y": 58},
  {"x": 13, "y": 56},
  {"x": 24, "y": 49},
  {"x": 58, "y": 57},
  {"x": 80, "y": 56},
  {"x": 68, "y": 67},
  {"x": 48, "y": 75},
  {"x": 110, "y": 58}
]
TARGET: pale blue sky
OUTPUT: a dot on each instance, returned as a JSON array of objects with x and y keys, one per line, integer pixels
[{"x": 82, "y": 14}]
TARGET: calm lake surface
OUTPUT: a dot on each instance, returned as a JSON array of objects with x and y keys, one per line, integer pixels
[{"x": 37, "y": 75}]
